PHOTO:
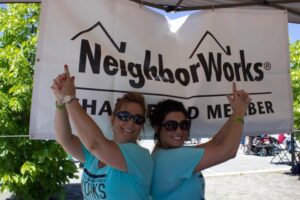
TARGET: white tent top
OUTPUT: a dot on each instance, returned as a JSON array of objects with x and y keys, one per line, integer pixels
[{"x": 292, "y": 6}]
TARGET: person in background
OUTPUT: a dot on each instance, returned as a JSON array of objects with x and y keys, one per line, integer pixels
[
  {"x": 297, "y": 168},
  {"x": 113, "y": 169},
  {"x": 287, "y": 142},
  {"x": 177, "y": 169},
  {"x": 281, "y": 138},
  {"x": 243, "y": 143}
]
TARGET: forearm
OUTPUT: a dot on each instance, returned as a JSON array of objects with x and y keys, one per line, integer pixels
[
  {"x": 64, "y": 136},
  {"x": 219, "y": 137},
  {"x": 63, "y": 130},
  {"x": 232, "y": 139}
]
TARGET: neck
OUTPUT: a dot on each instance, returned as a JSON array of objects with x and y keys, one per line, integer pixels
[{"x": 123, "y": 141}]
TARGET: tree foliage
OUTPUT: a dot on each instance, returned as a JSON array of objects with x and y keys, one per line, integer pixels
[
  {"x": 29, "y": 169},
  {"x": 295, "y": 76},
  {"x": 17, "y": 43}
]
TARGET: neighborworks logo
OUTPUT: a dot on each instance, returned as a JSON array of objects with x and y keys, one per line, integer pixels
[{"x": 211, "y": 64}]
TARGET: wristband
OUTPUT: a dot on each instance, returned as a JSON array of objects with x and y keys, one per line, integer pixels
[
  {"x": 239, "y": 120},
  {"x": 69, "y": 98},
  {"x": 60, "y": 106}
]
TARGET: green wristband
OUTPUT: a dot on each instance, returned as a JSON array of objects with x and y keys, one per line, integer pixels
[
  {"x": 239, "y": 120},
  {"x": 60, "y": 106}
]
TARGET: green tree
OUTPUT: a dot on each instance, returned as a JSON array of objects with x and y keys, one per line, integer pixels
[
  {"x": 29, "y": 169},
  {"x": 295, "y": 76}
]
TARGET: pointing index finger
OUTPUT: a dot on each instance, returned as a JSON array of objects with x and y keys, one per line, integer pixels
[
  {"x": 234, "y": 89},
  {"x": 67, "y": 71}
]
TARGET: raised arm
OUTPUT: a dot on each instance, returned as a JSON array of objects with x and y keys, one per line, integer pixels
[
  {"x": 225, "y": 143},
  {"x": 63, "y": 131},
  {"x": 87, "y": 130}
]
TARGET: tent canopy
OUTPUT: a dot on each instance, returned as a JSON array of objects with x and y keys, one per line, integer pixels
[{"x": 292, "y": 6}]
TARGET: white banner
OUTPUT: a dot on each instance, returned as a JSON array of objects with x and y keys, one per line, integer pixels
[{"x": 115, "y": 46}]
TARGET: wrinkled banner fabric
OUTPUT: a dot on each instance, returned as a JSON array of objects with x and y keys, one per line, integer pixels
[{"x": 114, "y": 46}]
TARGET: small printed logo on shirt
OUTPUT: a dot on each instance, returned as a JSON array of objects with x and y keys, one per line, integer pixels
[
  {"x": 93, "y": 186},
  {"x": 93, "y": 190}
]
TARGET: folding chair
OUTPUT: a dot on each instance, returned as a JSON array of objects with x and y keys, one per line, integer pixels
[{"x": 281, "y": 155}]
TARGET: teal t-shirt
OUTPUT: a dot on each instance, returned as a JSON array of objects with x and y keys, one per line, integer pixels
[
  {"x": 112, "y": 184},
  {"x": 173, "y": 174}
]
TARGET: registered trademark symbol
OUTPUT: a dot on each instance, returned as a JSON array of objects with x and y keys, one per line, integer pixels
[{"x": 267, "y": 66}]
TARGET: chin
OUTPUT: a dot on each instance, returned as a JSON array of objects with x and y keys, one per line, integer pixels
[
  {"x": 127, "y": 140},
  {"x": 176, "y": 145}
]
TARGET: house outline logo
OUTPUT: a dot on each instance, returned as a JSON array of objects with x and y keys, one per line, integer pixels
[
  {"x": 120, "y": 49},
  {"x": 227, "y": 51}
]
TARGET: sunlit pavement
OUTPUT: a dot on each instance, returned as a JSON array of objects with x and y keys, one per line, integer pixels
[{"x": 243, "y": 164}]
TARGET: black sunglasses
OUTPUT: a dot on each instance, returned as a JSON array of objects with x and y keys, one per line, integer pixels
[
  {"x": 126, "y": 116},
  {"x": 173, "y": 125}
]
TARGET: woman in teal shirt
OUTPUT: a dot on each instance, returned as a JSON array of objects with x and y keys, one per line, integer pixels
[
  {"x": 114, "y": 169},
  {"x": 177, "y": 169}
]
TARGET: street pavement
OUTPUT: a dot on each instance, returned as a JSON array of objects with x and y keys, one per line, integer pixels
[
  {"x": 253, "y": 186},
  {"x": 246, "y": 164},
  {"x": 244, "y": 177},
  {"x": 251, "y": 177}
]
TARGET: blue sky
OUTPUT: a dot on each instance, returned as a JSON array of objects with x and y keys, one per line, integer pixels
[
  {"x": 294, "y": 32},
  {"x": 294, "y": 29}
]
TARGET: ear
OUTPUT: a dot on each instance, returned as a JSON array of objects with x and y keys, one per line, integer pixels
[{"x": 155, "y": 129}]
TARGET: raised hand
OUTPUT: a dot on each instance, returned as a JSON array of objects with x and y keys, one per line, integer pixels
[
  {"x": 63, "y": 85},
  {"x": 239, "y": 100}
]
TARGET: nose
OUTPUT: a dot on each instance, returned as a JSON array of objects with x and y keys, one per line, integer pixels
[
  {"x": 131, "y": 122},
  {"x": 179, "y": 130}
]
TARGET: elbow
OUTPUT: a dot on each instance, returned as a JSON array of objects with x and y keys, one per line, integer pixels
[
  {"x": 229, "y": 152},
  {"x": 232, "y": 154},
  {"x": 62, "y": 143}
]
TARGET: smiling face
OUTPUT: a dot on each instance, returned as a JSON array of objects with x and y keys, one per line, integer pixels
[
  {"x": 173, "y": 138},
  {"x": 127, "y": 131}
]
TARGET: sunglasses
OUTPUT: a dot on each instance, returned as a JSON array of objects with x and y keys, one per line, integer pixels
[
  {"x": 173, "y": 125},
  {"x": 126, "y": 116}
]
